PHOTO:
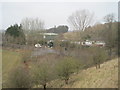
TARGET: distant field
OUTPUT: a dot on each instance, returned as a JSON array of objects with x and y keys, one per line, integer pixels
[{"x": 10, "y": 60}]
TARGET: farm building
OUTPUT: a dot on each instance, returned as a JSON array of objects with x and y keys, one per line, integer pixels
[{"x": 49, "y": 36}]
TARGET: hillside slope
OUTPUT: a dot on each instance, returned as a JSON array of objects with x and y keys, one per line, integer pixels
[{"x": 105, "y": 77}]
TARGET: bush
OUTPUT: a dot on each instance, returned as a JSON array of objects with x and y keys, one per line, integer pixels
[
  {"x": 42, "y": 73},
  {"x": 43, "y": 42},
  {"x": 65, "y": 68},
  {"x": 99, "y": 56},
  {"x": 19, "y": 78}
]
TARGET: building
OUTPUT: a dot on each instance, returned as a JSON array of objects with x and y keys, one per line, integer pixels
[{"x": 49, "y": 36}]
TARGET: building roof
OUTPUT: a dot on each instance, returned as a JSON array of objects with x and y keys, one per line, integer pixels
[{"x": 49, "y": 34}]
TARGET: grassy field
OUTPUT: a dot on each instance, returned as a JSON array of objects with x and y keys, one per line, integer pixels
[
  {"x": 105, "y": 77},
  {"x": 10, "y": 60}
]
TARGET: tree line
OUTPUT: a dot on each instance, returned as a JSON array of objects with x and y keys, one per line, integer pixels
[
  {"x": 60, "y": 29},
  {"x": 81, "y": 20}
]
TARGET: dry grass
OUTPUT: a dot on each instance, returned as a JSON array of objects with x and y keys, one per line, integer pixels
[
  {"x": 71, "y": 35},
  {"x": 105, "y": 77},
  {"x": 11, "y": 59}
]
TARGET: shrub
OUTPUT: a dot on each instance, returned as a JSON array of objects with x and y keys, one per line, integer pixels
[
  {"x": 42, "y": 74},
  {"x": 19, "y": 78},
  {"x": 65, "y": 68},
  {"x": 99, "y": 56}
]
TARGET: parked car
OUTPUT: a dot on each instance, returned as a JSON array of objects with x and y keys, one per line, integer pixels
[
  {"x": 50, "y": 43},
  {"x": 99, "y": 43},
  {"x": 87, "y": 43},
  {"x": 38, "y": 45}
]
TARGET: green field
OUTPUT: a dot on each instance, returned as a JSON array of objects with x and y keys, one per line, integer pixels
[{"x": 10, "y": 60}]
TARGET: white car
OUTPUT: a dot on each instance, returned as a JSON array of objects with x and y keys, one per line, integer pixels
[
  {"x": 38, "y": 45},
  {"x": 86, "y": 43}
]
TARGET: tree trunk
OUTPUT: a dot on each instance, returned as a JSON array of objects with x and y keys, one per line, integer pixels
[
  {"x": 66, "y": 81},
  {"x": 110, "y": 53},
  {"x": 99, "y": 66},
  {"x": 44, "y": 86},
  {"x": 96, "y": 66},
  {"x": 77, "y": 70}
]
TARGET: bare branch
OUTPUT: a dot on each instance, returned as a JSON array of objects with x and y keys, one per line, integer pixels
[
  {"x": 81, "y": 19},
  {"x": 32, "y": 24}
]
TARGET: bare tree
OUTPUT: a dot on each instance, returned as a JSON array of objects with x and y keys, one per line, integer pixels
[
  {"x": 32, "y": 28},
  {"x": 32, "y": 24},
  {"x": 109, "y": 18},
  {"x": 81, "y": 19}
]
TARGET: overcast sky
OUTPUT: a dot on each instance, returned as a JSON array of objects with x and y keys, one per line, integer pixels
[{"x": 53, "y": 13}]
